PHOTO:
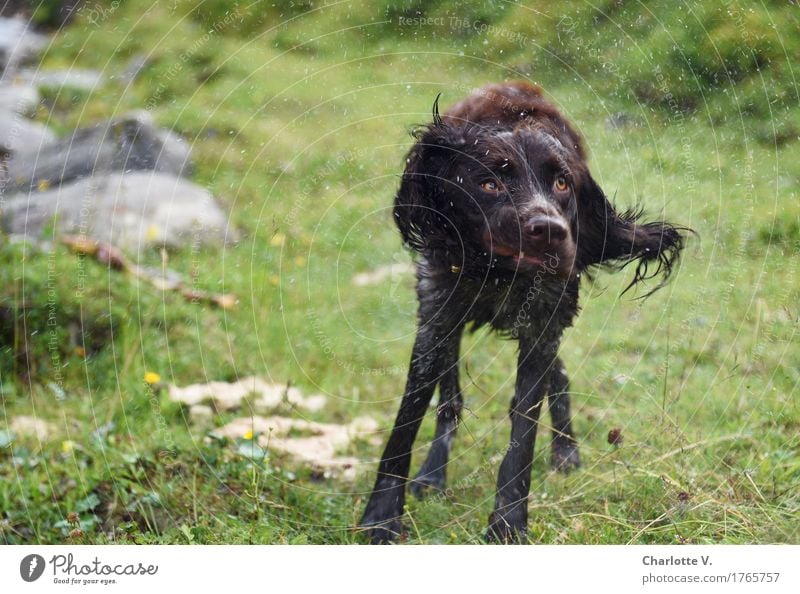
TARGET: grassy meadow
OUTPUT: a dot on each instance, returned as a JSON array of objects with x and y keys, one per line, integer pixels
[{"x": 298, "y": 120}]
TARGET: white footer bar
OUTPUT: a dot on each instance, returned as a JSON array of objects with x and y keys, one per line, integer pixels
[{"x": 400, "y": 569}]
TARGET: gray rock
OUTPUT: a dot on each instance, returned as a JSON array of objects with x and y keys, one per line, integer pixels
[
  {"x": 18, "y": 98},
  {"x": 132, "y": 211},
  {"x": 135, "y": 65},
  {"x": 621, "y": 120},
  {"x": 84, "y": 80},
  {"x": 19, "y": 44},
  {"x": 19, "y": 134},
  {"x": 130, "y": 143}
]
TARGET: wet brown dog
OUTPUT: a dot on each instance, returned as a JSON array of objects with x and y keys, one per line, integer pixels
[{"x": 498, "y": 202}]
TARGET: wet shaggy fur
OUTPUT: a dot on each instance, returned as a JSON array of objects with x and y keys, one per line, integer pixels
[{"x": 498, "y": 203}]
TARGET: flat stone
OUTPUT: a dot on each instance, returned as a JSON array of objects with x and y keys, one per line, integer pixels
[
  {"x": 19, "y": 98},
  {"x": 231, "y": 395},
  {"x": 129, "y": 143},
  {"x": 132, "y": 211},
  {"x": 72, "y": 78},
  {"x": 311, "y": 444},
  {"x": 201, "y": 414},
  {"x": 133, "y": 68},
  {"x": 30, "y": 427},
  {"x": 19, "y": 134},
  {"x": 621, "y": 120},
  {"x": 19, "y": 44},
  {"x": 382, "y": 273}
]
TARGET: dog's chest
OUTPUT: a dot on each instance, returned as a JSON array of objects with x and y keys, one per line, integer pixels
[
  {"x": 525, "y": 306},
  {"x": 518, "y": 306}
]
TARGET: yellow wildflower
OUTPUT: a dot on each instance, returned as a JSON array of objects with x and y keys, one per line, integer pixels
[{"x": 151, "y": 377}]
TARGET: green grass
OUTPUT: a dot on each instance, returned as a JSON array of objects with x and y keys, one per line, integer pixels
[{"x": 301, "y": 129}]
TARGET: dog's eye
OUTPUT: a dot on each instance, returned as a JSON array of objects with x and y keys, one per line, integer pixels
[
  {"x": 491, "y": 185},
  {"x": 561, "y": 184}
]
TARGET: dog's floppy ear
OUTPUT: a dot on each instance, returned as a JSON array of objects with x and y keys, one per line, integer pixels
[
  {"x": 614, "y": 239},
  {"x": 417, "y": 208}
]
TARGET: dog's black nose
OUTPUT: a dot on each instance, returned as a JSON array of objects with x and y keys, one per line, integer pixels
[{"x": 544, "y": 231}]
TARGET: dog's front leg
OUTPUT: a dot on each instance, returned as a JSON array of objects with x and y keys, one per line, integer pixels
[
  {"x": 385, "y": 505},
  {"x": 508, "y": 522}
]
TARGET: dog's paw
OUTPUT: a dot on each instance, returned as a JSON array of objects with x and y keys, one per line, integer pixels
[
  {"x": 423, "y": 483},
  {"x": 381, "y": 519},
  {"x": 564, "y": 457},
  {"x": 503, "y": 530},
  {"x": 382, "y": 532}
]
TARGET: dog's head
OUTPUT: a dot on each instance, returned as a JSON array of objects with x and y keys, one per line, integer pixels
[{"x": 501, "y": 180}]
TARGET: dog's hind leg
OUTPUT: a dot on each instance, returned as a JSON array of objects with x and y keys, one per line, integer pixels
[
  {"x": 564, "y": 449},
  {"x": 433, "y": 470}
]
